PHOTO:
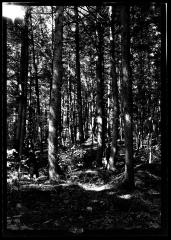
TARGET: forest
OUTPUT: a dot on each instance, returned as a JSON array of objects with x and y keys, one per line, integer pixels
[{"x": 83, "y": 118}]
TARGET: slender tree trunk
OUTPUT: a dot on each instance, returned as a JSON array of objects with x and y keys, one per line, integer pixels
[
  {"x": 86, "y": 118},
  {"x": 114, "y": 149},
  {"x": 108, "y": 110},
  {"x": 19, "y": 111},
  {"x": 37, "y": 89},
  {"x": 79, "y": 97},
  {"x": 100, "y": 91},
  {"x": 31, "y": 130},
  {"x": 52, "y": 54},
  {"x": 71, "y": 112},
  {"x": 55, "y": 105},
  {"x": 126, "y": 92},
  {"x": 75, "y": 117},
  {"x": 92, "y": 107}
]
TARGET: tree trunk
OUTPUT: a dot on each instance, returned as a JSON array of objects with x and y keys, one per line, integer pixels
[
  {"x": 113, "y": 155},
  {"x": 52, "y": 55},
  {"x": 79, "y": 97},
  {"x": 100, "y": 91},
  {"x": 39, "y": 122},
  {"x": 23, "y": 88},
  {"x": 55, "y": 105},
  {"x": 86, "y": 117},
  {"x": 71, "y": 112},
  {"x": 126, "y": 94}
]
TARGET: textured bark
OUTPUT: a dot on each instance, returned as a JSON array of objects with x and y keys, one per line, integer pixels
[
  {"x": 23, "y": 88},
  {"x": 126, "y": 92},
  {"x": 55, "y": 105},
  {"x": 71, "y": 113},
  {"x": 113, "y": 155},
  {"x": 100, "y": 91},
  {"x": 52, "y": 54},
  {"x": 79, "y": 97},
  {"x": 86, "y": 116},
  {"x": 18, "y": 131},
  {"x": 39, "y": 122}
]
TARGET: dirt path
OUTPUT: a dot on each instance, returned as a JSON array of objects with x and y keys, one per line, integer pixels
[{"x": 85, "y": 202}]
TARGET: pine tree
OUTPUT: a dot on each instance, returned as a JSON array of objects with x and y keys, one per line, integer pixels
[
  {"x": 126, "y": 95},
  {"x": 55, "y": 104}
]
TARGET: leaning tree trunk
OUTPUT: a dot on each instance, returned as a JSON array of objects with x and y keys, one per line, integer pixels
[
  {"x": 126, "y": 94},
  {"x": 23, "y": 88},
  {"x": 113, "y": 155},
  {"x": 55, "y": 104},
  {"x": 79, "y": 97}
]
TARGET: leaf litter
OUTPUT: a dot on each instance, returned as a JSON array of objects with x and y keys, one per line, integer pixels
[{"x": 88, "y": 200}]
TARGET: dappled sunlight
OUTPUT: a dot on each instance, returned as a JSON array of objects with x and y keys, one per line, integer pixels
[
  {"x": 91, "y": 171},
  {"x": 52, "y": 173},
  {"x": 94, "y": 187},
  {"x": 125, "y": 74},
  {"x": 51, "y": 127},
  {"x": 125, "y": 196},
  {"x": 55, "y": 76},
  {"x": 127, "y": 118},
  {"x": 54, "y": 87},
  {"x": 51, "y": 114},
  {"x": 114, "y": 149},
  {"x": 99, "y": 119},
  {"x": 51, "y": 146}
]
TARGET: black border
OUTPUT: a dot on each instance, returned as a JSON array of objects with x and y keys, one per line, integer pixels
[{"x": 163, "y": 232}]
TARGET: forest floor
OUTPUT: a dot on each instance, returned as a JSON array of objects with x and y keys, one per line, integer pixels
[{"x": 87, "y": 200}]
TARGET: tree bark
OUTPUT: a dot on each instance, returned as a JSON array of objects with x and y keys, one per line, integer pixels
[
  {"x": 55, "y": 105},
  {"x": 79, "y": 97},
  {"x": 114, "y": 149},
  {"x": 37, "y": 89},
  {"x": 100, "y": 91},
  {"x": 23, "y": 88},
  {"x": 126, "y": 93},
  {"x": 52, "y": 55}
]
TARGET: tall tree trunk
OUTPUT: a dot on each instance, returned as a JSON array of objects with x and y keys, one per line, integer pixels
[
  {"x": 36, "y": 89},
  {"x": 126, "y": 94},
  {"x": 86, "y": 116},
  {"x": 114, "y": 149},
  {"x": 52, "y": 54},
  {"x": 71, "y": 112},
  {"x": 55, "y": 105},
  {"x": 23, "y": 87},
  {"x": 79, "y": 97},
  {"x": 31, "y": 130},
  {"x": 100, "y": 90}
]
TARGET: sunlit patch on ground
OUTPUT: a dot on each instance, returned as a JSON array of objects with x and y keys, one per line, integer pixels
[
  {"x": 125, "y": 196},
  {"x": 93, "y": 187}
]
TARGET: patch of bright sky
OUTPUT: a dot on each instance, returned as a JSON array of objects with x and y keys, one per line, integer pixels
[{"x": 12, "y": 11}]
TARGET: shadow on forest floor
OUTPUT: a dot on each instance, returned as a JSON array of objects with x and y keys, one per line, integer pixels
[{"x": 89, "y": 200}]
